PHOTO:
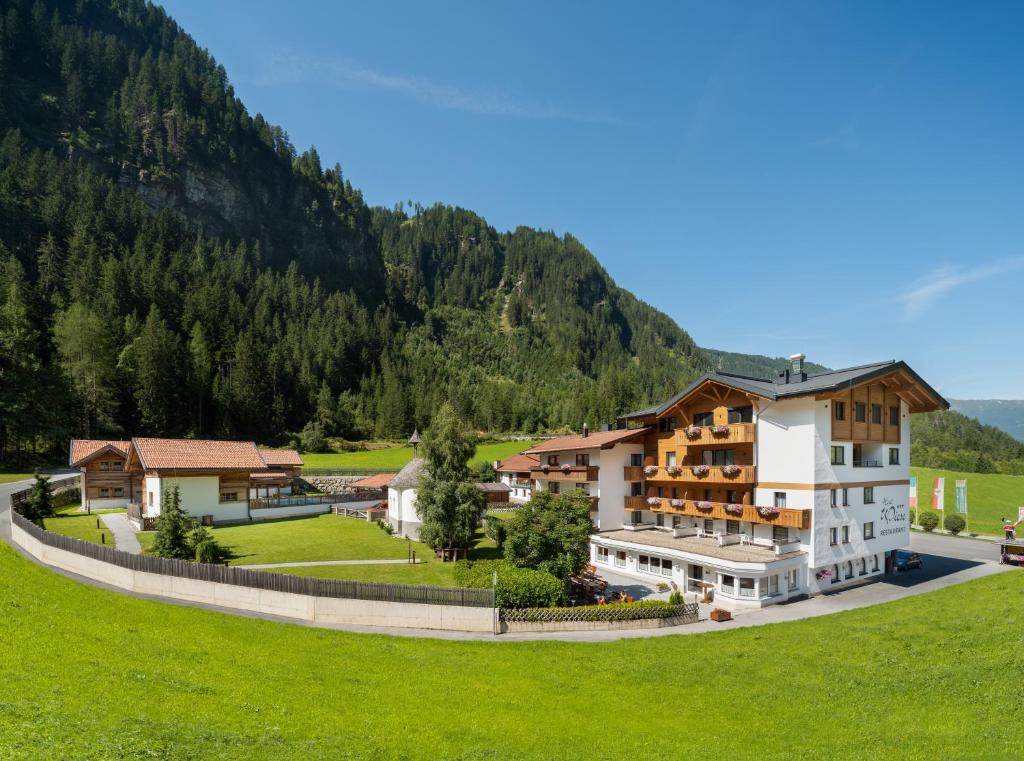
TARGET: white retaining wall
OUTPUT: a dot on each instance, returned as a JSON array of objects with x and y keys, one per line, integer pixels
[{"x": 327, "y": 610}]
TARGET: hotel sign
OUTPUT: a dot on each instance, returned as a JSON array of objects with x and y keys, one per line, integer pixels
[{"x": 894, "y": 518}]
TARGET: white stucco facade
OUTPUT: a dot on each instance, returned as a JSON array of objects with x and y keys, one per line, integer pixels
[
  {"x": 402, "y": 511},
  {"x": 199, "y": 496}
]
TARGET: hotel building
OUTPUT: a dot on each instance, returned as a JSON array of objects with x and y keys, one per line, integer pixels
[{"x": 755, "y": 490}]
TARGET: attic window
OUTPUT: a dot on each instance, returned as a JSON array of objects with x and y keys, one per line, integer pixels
[{"x": 667, "y": 424}]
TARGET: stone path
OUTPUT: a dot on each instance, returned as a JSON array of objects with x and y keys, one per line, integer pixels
[
  {"x": 307, "y": 563},
  {"x": 124, "y": 534}
]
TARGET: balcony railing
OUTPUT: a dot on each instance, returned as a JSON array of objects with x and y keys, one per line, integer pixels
[
  {"x": 734, "y": 433},
  {"x": 633, "y": 473},
  {"x": 778, "y": 516},
  {"x": 867, "y": 463},
  {"x": 563, "y": 473},
  {"x": 522, "y": 484},
  {"x": 708, "y": 474}
]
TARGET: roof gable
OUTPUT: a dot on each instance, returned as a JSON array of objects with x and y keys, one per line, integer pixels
[
  {"x": 83, "y": 450},
  {"x": 596, "y": 440},
  {"x": 280, "y": 456}
]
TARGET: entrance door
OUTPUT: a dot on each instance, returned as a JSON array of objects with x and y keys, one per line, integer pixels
[
  {"x": 890, "y": 561},
  {"x": 695, "y": 576}
]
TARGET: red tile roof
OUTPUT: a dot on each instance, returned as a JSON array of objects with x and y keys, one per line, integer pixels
[
  {"x": 82, "y": 449},
  {"x": 280, "y": 456},
  {"x": 595, "y": 440},
  {"x": 376, "y": 481},
  {"x": 198, "y": 454},
  {"x": 518, "y": 463}
]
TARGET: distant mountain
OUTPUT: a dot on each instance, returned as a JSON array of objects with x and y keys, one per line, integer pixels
[
  {"x": 1007, "y": 414},
  {"x": 756, "y": 365}
]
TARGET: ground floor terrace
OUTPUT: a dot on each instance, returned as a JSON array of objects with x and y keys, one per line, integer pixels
[{"x": 733, "y": 575}]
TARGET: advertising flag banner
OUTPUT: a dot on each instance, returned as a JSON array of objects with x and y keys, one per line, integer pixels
[
  {"x": 1020, "y": 513},
  {"x": 939, "y": 495},
  {"x": 913, "y": 492},
  {"x": 961, "y": 496}
]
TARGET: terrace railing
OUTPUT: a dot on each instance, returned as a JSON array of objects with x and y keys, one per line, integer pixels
[
  {"x": 297, "y": 500},
  {"x": 277, "y": 582}
]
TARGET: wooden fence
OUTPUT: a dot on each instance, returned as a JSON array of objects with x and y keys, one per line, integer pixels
[
  {"x": 276, "y": 582},
  {"x": 687, "y": 612}
]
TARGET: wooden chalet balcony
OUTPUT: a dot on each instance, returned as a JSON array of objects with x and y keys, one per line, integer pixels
[
  {"x": 734, "y": 433},
  {"x": 562, "y": 473},
  {"x": 780, "y": 516},
  {"x": 714, "y": 474},
  {"x": 633, "y": 473}
]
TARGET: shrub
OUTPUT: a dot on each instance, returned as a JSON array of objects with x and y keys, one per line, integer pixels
[
  {"x": 517, "y": 587},
  {"x": 312, "y": 438},
  {"x": 954, "y": 523},
  {"x": 929, "y": 520},
  {"x": 385, "y": 526},
  {"x": 676, "y": 598},
  {"x": 204, "y": 548}
]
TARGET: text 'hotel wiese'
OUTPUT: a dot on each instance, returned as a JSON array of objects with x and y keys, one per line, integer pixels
[{"x": 760, "y": 489}]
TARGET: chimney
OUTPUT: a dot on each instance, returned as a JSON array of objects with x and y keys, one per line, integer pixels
[
  {"x": 586, "y": 430},
  {"x": 797, "y": 362},
  {"x": 605, "y": 427}
]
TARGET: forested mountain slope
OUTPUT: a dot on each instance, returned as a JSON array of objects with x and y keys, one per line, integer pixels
[
  {"x": 953, "y": 441},
  {"x": 169, "y": 264},
  {"x": 754, "y": 365}
]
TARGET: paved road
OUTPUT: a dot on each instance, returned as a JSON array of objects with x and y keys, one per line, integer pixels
[
  {"x": 124, "y": 536},
  {"x": 947, "y": 561}
]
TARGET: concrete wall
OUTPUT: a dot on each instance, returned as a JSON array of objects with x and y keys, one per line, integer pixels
[{"x": 326, "y": 610}]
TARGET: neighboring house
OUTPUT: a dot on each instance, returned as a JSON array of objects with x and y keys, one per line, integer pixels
[
  {"x": 402, "y": 497},
  {"x": 212, "y": 477},
  {"x": 283, "y": 467},
  {"x": 760, "y": 490},
  {"x": 515, "y": 471},
  {"x": 106, "y": 482}
]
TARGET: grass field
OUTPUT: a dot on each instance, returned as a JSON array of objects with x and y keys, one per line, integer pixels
[
  {"x": 923, "y": 678},
  {"x": 990, "y": 496},
  {"x": 79, "y": 527},
  {"x": 6, "y": 478},
  {"x": 396, "y": 457},
  {"x": 326, "y": 537}
]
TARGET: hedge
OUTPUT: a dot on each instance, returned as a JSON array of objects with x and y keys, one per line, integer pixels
[
  {"x": 625, "y": 612},
  {"x": 517, "y": 587}
]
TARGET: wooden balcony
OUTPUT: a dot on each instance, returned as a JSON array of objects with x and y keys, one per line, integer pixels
[
  {"x": 745, "y": 474},
  {"x": 799, "y": 519},
  {"x": 735, "y": 433},
  {"x": 633, "y": 473},
  {"x": 577, "y": 473}
]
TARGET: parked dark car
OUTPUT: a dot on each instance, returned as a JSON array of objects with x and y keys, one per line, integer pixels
[{"x": 907, "y": 560}]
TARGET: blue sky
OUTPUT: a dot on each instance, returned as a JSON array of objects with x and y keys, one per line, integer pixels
[{"x": 842, "y": 179}]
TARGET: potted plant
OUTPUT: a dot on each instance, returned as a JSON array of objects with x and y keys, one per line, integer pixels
[
  {"x": 703, "y": 505},
  {"x": 650, "y": 470},
  {"x": 767, "y": 512},
  {"x": 674, "y": 470},
  {"x": 823, "y": 574},
  {"x": 719, "y": 430},
  {"x": 566, "y": 467},
  {"x": 692, "y": 431},
  {"x": 700, "y": 470},
  {"x": 677, "y": 503},
  {"x": 730, "y": 470},
  {"x": 733, "y": 508},
  {"x": 654, "y": 501}
]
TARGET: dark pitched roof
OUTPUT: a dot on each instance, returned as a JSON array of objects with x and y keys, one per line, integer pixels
[
  {"x": 495, "y": 486},
  {"x": 832, "y": 380},
  {"x": 409, "y": 476}
]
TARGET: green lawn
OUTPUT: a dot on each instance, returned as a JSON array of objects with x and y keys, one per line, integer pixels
[
  {"x": 79, "y": 526},
  {"x": 6, "y": 478},
  {"x": 396, "y": 457},
  {"x": 432, "y": 573},
  {"x": 924, "y": 678},
  {"x": 990, "y": 497},
  {"x": 325, "y": 537}
]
